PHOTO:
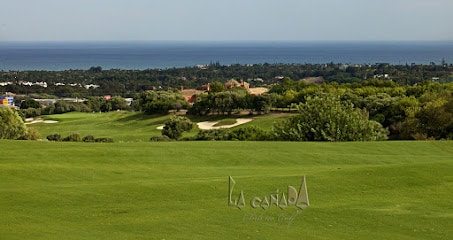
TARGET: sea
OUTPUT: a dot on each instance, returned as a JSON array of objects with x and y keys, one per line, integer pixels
[{"x": 140, "y": 55}]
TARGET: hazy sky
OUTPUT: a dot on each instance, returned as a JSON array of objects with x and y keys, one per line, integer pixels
[{"x": 218, "y": 20}]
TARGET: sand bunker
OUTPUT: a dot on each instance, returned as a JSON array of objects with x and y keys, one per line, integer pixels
[
  {"x": 39, "y": 120},
  {"x": 210, "y": 125}
]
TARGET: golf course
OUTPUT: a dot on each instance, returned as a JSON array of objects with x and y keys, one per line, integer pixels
[{"x": 137, "y": 189}]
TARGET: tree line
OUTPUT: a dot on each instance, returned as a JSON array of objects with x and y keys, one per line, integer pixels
[
  {"x": 371, "y": 110},
  {"x": 424, "y": 111},
  {"x": 125, "y": 83},
  {"x": 382, "y": 108}
]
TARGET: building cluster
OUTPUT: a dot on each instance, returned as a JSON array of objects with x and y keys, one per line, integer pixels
[
  {"x": 6, "y": 101},
  {"x": 191, "y": 94},
  {"x": 45, "y": 84}
]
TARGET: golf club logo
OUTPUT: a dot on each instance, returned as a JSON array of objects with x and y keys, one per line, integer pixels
[{"x": 281, "y": 200}]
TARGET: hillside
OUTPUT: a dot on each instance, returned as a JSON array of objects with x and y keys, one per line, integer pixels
[
  {"x": 126, "y": 126},
  {"x": 179, "y": 190}
]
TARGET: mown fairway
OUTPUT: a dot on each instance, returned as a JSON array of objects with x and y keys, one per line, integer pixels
[
  {"x": 179, "y": 190},
  {"x": 121, "y": 126},
  {"x": 129, "y": 127}
]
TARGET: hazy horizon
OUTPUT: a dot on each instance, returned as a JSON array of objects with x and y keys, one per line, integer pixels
[{"x": 233, "y": 20}]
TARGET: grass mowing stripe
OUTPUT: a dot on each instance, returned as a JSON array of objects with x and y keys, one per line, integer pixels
[{"x": 391, "y": 190}]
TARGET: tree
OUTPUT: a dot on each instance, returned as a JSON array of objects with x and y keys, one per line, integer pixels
[
  {"x": 118, "y": 103},
  {"x": 326, "y": 118},
  {"x": 160, "y": 101},
  {"x": 176, "y": 125},
  {"x": 30, "y": 103},
  {"x": 433, "y": 120},
  {"x": 97, "y": 69},
  {"x": 263, "y": 103},
  {"x": 61, "y": 107},
  {"x": 216, "y": 87},
  {"x": 95, "y": 103},
  {"x": 202, "y": 105},
  {"x": 288, "y": 98},
  {"x": 11, "y": 124}
]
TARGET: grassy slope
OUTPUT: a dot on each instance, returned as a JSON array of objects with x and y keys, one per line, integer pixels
[
  {"x": 121, "y": 126},
  {"x": 267, "y": 121},
  {"x": 130, "y": 127},
  {"x": 178, "y": 190}
]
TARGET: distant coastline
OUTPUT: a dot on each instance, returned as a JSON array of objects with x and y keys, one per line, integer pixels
[{"x": 142, "y": 55}]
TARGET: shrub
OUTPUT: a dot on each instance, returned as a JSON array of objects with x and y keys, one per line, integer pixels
[
  {"x": 250, "y": 133},
  {"x": 75, "y": 137},
  {"x": 31, "y": 134},
  {"x": 54, "y": 137},
  {"x": 89, "y": 138},
  {"x": 31, "y": 112},
  {"x": 12, "y": 125},
  {"x": 214, "y": 134},
  {"x": 30, "y": 103},
  {"x": 162, "y": 138},
  {"x": 326, "y": 118},
  {"x": 104, "y": 140},
  {"x": 176, "y": 125}
]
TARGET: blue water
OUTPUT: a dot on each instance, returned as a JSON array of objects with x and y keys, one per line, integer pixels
[{"x": 146, "y": 55}]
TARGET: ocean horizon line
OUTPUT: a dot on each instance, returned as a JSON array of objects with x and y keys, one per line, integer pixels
[
  {"x": 175, "y": 54},
  {"x": 225, "y": 41}
]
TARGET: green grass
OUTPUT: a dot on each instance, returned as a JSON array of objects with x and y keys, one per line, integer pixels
[
  {"x": 267, "y": 121},
  {"x": 224, "y": 122},
  {"x": 121, "y": 126},
  {"x": 178, "y": 190},
  {"x": 133, "y": 127}
]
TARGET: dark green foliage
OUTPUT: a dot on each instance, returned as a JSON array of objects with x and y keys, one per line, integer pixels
[
  {"x": 97, "y": 69},
  {"x": 409, "y": 100},
  {"x": 63, "y": 107},
  {"x": 216, "y": 87},
  {"x": 75, "y": 137},
  {"x": 202, "y": 105},
  {"x": 101, "y": 104},
  {"x": 152, "y": 102},
  {"x": 162, "y": 138},
  {"x": 176, "y": 125},
  {"x": 328, "y": 119},
  {"x": 221, "y": 134},
  {"x": 12, "y": 125},
  {"x": 128, "y": 82},
  {"x": 250, "y": 133},
  {"x": 54, "y": 137},
  {"x": 30, "y": 103},
  {"x": 31, "y": 112},
  {"x": 31, "y": 134},
  {"x": 433, "y": 120},
  {"x": 263, "y": 103},
  {"x": 104, "y": 140},
  {"x": 231, "y": 101},
  {"x": 118, "y": 103},
  {"x": 88, "y": 138}
]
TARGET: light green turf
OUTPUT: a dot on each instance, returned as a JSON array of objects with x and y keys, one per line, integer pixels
[
  {"x": 227, "y": 121},
  {"x": 178, "y": 190},
  {"x": 133, "y": 127},
  {"x": 121, "y": 126},
  {"x": 267, "y": 121}
]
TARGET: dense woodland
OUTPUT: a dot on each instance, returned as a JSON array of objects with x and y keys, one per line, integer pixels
[
  {"x": 379, "y": 101},
  {"x": 126, "y": 83}
]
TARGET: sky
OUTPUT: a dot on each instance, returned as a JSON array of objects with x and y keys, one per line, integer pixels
[{"x": 226, "y": 20}]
